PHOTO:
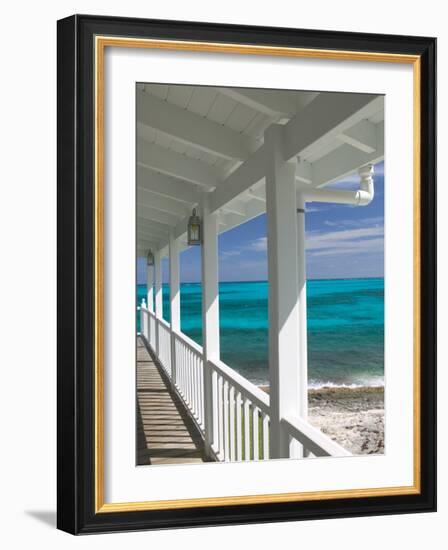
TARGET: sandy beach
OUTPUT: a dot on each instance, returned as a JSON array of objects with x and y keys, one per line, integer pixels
[{"x": 354, "y": 417}]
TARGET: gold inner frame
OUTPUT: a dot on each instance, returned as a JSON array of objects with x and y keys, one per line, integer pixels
[{"x": 101, "y": 42}]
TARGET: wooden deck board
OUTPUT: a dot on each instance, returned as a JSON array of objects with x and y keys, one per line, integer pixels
[{"x": 165, "y": 432}]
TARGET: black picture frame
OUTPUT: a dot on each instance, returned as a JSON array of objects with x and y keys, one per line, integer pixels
[{"x": 76, "y": 255}]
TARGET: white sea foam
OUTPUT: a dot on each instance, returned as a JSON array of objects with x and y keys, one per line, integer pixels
[
  {"x": 314, "y": 385},
  {"x": 318, "y": 385}
]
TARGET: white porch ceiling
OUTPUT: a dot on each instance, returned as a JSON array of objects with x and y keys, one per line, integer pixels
[{"x": 195, "y": 139}]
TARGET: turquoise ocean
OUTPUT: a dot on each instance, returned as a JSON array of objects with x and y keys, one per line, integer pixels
[{"x": 345, "y": 328}]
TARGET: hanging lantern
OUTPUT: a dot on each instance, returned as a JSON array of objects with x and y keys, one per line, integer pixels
[
  {"x": 150, "y": 259},
  {"x": 194, "y": 229}
]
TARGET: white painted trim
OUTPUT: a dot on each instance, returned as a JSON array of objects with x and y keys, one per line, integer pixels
[
  {"x": 324, "y": 119},
  {"x": 167, "y": 186},
  {"x": 362, "y": 136},
  {"x": 152, "y": 214},
  {"x": 163, "y": 204},
  {"x": 173, "y": 164},
  {"x": 192, "y": 129}
]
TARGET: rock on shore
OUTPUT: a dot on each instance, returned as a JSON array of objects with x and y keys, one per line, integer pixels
[{"x": 354, "y": 417}]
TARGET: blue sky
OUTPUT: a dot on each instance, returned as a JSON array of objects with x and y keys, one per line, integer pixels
[{"x": 341, "y": 241}]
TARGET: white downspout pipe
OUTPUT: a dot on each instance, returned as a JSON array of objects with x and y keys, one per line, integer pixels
[{"x": 363, "y": 196}]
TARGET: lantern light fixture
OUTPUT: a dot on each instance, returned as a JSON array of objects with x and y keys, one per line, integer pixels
[
  {"x": 150, "y": 258},
  {"x": 194, "y": 231}
]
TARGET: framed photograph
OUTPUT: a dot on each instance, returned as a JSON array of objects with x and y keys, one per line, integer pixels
[{"x": 246, "y": 274}]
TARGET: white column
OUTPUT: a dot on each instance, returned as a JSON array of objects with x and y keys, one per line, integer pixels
[
  {"x": 210, "y": 314},
  {"x": 284, "y": 350},
  {"x": 150, "y": 287},
  {"x": 158, "y": 284},
  {"x": 174, "y": 300},
  {"x": 303, "y": 336},
  {"x": 158, "y": 294}
]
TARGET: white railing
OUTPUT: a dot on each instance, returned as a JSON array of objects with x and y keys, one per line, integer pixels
[
  {"x": 312, "y": 439},
  {"x": 189, "y": 378},
  {"x": 240, "y": 409},
  {"x": 144, "y": 320},
  {"x": 164, "y": 344},
  {"x": 152, "y": 331},
  {"x": 241, "y": 414}
]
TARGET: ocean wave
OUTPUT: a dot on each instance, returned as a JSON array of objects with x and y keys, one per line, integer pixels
[
  {"x": 319, "y": 385},
  {"x": 333, "y": 385}
]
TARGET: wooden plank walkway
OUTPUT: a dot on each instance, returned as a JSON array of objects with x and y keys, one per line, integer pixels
[{"x": 165, "y": 432}]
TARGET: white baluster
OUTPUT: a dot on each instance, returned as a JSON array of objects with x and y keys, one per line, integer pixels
[
  {"x": 239, "y": 430},
  {"x": 232, "y": 423},
  {"x": 255, "y": 431},
  {"x": 246, "y": 430}
]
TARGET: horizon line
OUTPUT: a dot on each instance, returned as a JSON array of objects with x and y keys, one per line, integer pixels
[{"x": 266, "y": 280}]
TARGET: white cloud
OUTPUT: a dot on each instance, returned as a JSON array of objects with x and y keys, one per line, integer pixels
[
  {"x": 360, "y": 240},
  {"x": 230, "y": 253},
  {"x": 310, "y": 209},
  {"x": 259, "y": 245},
  {"x": 360, "y": 237},
  {"x": 361, "y": 247}
]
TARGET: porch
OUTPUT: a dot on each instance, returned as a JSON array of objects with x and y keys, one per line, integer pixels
[{"x": 282, "y": 151}]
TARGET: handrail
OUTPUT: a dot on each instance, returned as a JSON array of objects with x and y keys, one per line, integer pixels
[
  {"x": 188, "y": 341},
  {"x": 163, "y": 322},
  {"x": 312, "y": 438},
  {"x": 259, "y": 398}
]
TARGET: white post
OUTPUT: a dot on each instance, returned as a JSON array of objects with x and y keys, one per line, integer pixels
[
  {"x": 210, "y": 315},
  {"x": 150, "y": 287},
  {"x": 303, "y": 337},
  {"x": 142, "y": 318},
  {"x": 158, "y": 296},
  {"x": 284, "y": 350},
  {"x": 174, "y": 301}
]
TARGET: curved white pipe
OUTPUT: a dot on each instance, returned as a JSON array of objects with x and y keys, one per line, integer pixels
[{"x": 363, "y": 196}]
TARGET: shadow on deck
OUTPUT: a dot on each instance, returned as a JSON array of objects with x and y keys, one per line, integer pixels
[{"x": 165, "y": 432}]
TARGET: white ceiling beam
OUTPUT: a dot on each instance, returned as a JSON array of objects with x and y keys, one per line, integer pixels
[
  {"x": 151, "y": 224},
  {"x": 362, "y": 136},
  {"x": 254, "y": 209},
  {"x": 167, "y": 186},
  {"x": 235, "y": 207},
  {"x": 303, "y": 171},
  {"x": 328, "y": 116},
  {"x": 145, "y": 235},
  {"x": 142, "y": 228},
  {"x": 230, "y": 221},
  {"x": 257, "y": 194},
  {"x": 192, "y": 129},
  {"x": 144, "y": 243},
  {"x": 345, "y": 160},
  {"x": 246, "y": 175},
  {"x": 164, "y": 204},
  {"x": 268, "y": 102},
  {"x": 180, "y": 229},
  {"x": 222, "y": 219},
  {"x": 156, "y": 215},
  {"x": 173, "y": 164}
]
